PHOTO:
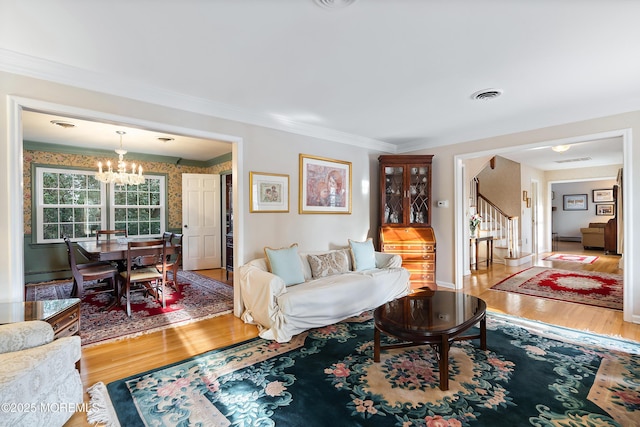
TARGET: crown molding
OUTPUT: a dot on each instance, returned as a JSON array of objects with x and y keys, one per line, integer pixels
[{"x": 30, "y": 66}]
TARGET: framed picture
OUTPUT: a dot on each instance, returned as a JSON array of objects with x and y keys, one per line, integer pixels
[
  {"x": 574, "y": 202},
  {"x": 605, "y": 209},
  {"x": 325, "y": 185},
  {"x": 604, "y": 195},
  {"x": 269, "y": 192}
]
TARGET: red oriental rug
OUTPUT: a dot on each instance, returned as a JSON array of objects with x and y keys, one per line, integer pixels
[
  {"x": 198, "y": 297},
  {"x": 583, "y": 259},
  {"x": 582, "y": 287}
]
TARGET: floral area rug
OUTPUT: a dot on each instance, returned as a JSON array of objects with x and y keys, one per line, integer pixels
[
  {"x": 583, "y": 287},
  {"x": 532, "y": 374},
  {"x": 582, "y": 259},
  {"x": 198, "y": 297}
]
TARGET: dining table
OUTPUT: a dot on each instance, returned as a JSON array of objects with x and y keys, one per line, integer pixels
[{"x": 116, "y": 250}]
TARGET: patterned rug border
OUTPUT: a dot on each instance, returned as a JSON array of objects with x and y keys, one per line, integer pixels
[
  {"x": 102, "y": 410},
  {"x": 185, "y": 275},
  {"x": 591, "y": 258},
  {"x": 532, "y": 293}
]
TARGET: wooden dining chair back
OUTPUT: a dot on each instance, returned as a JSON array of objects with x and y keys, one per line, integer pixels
[
  {"x": 88, "y": 272},
  {"x": 109, "y": 233},
  {"x": 173, "y": 260},
  {"x": 142, "y": 259}
]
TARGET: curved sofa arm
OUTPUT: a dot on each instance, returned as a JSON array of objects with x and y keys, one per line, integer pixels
[
  {"x": 260, "y": 290},
  {"x": 24, "y": 335},
  {"x": 386, "y": 260}
]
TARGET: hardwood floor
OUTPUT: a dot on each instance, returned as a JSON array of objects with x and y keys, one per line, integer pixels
[{"x": 113, "y": 361}]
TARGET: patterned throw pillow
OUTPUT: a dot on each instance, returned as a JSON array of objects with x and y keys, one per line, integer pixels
[{"x": 328, "y": 264}]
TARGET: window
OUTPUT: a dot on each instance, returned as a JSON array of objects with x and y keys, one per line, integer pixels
[
  {"x": 72, "y": 203},
  {"x": 69, "y": 203},
  {"x": 139, "y": 209}
]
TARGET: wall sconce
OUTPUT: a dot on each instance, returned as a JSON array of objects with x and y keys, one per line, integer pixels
[{"x": 524, "y": 195}]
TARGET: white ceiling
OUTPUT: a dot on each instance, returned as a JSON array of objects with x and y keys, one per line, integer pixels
[{"x": 396, "y": 74}]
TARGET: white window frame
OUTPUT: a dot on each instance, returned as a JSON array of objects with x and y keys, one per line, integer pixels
[
  {"x": 162, "y": 206},
  {"x": 107, "y": 214},
  {"x": 38, "y": 223}
]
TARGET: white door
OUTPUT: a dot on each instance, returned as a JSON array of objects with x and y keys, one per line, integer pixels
[{"x": 201, "y": 240}]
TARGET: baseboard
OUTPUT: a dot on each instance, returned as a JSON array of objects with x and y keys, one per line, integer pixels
[{"x": 514, "y": 262}]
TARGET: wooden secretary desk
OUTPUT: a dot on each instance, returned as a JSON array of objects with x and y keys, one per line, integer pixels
[{"x": 405, "y": 215}]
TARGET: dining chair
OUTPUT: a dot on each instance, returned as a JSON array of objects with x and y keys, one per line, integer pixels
[
  {"x": 143, "y": 257},
  {"x": 88, "y": 272},
  {"x": 110, "y": 233},
  {"x": 173, "y": 260}
]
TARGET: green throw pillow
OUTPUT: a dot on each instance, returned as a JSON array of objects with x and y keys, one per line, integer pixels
[
  {"x": 363, "y": 254},
  {"x": 285, "y": 263}
]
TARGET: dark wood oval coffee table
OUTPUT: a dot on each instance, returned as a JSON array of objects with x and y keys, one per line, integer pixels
[{"x": 430, "y": 317}]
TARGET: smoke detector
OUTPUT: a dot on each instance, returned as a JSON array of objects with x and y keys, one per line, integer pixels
[{"x": 486, "y": 94}]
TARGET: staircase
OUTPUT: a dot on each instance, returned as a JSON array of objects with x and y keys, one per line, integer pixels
[{"x": 504, "y": 229}]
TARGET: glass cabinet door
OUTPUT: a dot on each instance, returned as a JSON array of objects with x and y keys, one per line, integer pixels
[
  {"x": 393, "y": 195},
  {"x": 419, "y": 194}
]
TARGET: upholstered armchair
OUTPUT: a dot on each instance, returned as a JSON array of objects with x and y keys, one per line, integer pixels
[
  {"x": 593, "y": 236},
  {"x": 39, "y": 382}
]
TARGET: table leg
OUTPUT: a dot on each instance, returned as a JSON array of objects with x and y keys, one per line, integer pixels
[
  {"x": 476, "y": 254},
  {"x": 376, "y": 344},
  {"x": 483, "y": 333},
  {"x": 444, "y": 363}
]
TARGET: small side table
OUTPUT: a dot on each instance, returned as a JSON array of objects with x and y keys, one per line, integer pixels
[
  {"x": 62, "y": 314},
  {"x": 476, "y": 241}
]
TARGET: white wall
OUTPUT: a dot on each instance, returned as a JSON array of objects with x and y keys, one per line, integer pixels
[{"x": 568, "y": 223}]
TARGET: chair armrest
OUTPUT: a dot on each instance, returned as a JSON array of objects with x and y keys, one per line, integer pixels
[
  {"x": 21, "y": 370},
  {"x": 24, "y": 335},
  {"x": 386, "y": 260},
  {"x": 260, "y": 290}
]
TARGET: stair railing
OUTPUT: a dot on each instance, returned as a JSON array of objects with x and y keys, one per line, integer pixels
[{"x": 498, "y": 224}]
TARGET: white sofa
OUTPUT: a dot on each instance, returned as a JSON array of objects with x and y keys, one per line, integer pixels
[
  {"x": 281, "y": 311},
  {"x": 39, "y": 382}
]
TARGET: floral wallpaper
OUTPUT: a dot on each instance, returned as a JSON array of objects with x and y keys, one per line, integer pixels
[{"x": 174, "y": 178}]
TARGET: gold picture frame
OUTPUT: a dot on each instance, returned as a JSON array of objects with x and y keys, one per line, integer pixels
[
  {"x": 325, "y": 186},
  {"x": 269, "y": 192}
]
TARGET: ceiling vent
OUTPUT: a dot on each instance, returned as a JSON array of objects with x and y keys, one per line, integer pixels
[
  {"x": 334, "y": 4},
  {"x": 486, "y": 94},
  {"x": 578, "y": 159}
]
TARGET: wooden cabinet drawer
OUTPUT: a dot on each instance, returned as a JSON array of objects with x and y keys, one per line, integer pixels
[
  {"x": 419, "y": 257},
  {"x": 419, "y": 266},
  {"x": 423, "y": 277},
  {"x": 404, "y": 247},
  {"x": 69, "y": 330},
  {"x": 66, "y": 323}
]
